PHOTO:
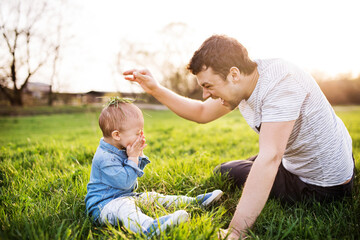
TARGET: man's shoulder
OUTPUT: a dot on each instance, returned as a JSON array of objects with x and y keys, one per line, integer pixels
[
  {"x": 273, "y": 65},
  {"x": 272, "y": 71}
]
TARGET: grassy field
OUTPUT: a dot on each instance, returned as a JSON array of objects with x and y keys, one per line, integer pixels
[{"x": 45, "y": 165}]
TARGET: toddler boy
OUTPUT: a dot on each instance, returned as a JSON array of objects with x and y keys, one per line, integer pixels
[{"x": 118, "y": 162}]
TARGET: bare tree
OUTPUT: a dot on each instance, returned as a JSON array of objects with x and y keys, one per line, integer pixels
[
  {"x": 54, "y": 73},
  {"x": 26, "y": 46},
  {"x": 58, "y": 43}
]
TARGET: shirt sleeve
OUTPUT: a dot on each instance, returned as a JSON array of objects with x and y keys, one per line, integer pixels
[
  {"x": 284, "y": 101},
  {"x": 143, "y": 161},
  {"x": 118, "y": 175}
]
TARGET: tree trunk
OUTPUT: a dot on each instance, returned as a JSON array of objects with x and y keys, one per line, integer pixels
[
  {"x": 17, "y": 98},
  {"x": 14, "y": 96},
  {"x": 51, "y": 96}
]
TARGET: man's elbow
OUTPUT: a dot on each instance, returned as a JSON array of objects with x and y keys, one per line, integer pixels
[
  {"x": 273, "y": 157},
  {"x": 202, "y": 118},
  {"x": 201, "y": 121}
]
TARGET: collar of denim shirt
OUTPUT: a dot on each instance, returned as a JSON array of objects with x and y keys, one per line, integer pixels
[{"x": 113, "y": 149}]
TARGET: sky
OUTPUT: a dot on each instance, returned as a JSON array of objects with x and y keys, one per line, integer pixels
[{"x": 321, "y": 36}]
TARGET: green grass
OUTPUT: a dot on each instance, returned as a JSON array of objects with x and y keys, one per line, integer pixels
[{"x": 45, "y": 164}]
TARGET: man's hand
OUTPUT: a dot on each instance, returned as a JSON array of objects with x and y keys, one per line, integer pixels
[
  {"x": 230, "y": 235},
  {"x": 136, "y": 149},
  {"x": 144, "y": 78}
]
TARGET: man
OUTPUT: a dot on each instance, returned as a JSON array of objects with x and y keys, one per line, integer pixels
[{"x": 305, "y": 151}]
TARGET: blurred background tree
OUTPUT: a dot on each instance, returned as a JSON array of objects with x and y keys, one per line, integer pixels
[
  {"x": 343, "y": 89},
  {"x": 30, "y": 39},
  {"x": 167, "y": 60}
]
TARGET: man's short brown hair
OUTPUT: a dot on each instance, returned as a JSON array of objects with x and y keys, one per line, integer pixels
[
  {"x": 221, "y": 52},
  {"x": 113, "y": 117}
]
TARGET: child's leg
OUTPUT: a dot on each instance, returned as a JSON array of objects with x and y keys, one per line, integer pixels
[
  {"x": 165, "y": 200},
  {"x": 124, "y": 209}
]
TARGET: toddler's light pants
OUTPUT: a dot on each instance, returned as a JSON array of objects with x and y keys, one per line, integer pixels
[{"x": 124, "y": 209}]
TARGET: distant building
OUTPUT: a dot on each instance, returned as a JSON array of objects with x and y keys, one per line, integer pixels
[
  {"x": 37, "y": 94},
  {"x": 37, "y": 90}
]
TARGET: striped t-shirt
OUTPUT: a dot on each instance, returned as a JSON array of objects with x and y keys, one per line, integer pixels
[{"x": 319, "y": 149}]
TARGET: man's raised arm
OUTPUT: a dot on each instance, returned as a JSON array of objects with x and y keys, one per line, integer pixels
[{"x": 190, "y": 109}]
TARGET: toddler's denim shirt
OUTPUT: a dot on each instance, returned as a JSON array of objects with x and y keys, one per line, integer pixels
[{"x": 112, "y": 176}]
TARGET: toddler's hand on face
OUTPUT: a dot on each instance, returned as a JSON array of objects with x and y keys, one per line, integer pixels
[{"x": 136, "y": 148}]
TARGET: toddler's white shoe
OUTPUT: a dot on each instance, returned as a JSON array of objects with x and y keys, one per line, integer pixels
[{"x": 208, "y": 198}]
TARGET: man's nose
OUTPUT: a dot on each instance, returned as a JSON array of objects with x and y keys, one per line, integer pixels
[{"x": 206, "y": 94}]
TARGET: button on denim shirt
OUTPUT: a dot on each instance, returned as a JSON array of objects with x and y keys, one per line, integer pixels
[{"x": 112, "y": 176}]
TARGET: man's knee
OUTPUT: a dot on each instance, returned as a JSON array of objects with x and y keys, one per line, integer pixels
[
  {"x": 224, "y": 168},
  {"x": 217, "y": 170},
  {"x": 236, "y": 171}
]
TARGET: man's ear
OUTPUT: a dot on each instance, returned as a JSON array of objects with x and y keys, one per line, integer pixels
[
  {"x": 116, "y": 135},
  {"x": 234, "y": 74}
]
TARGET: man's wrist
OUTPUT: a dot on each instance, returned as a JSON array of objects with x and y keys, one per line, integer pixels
[
  {"x": 157, "y": 91},
  {"x": 237, "y": 234}
]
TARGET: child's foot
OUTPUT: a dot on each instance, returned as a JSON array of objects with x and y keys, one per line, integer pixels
[
  {"x": 162, "y": 223},
  {"x": 208, "y": 198}
]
